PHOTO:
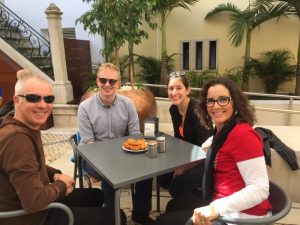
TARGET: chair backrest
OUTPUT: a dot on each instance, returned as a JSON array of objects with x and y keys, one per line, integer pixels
[
  {"x": 281, "y": 206},
  {"x": 73, "y": 141},
  {"x": 57, "y": 205}
]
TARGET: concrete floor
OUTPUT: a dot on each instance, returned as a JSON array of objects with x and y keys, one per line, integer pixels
[{"x": 58, "y": 153}]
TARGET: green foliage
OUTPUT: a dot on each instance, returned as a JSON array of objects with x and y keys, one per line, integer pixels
[
  {"x": 243, "y": 22},
  {"x": 163, "y": 8},
  {"x": 90, "y": 80},
  {"x": 273, "y": 67},
  {"x": 139, "y": 85},
  {"x": 246, "y": 20},
  {"x": 117, "y": 21},
  {"x": 150, "y": 69},
  {"x": 235, "y": 74},
  {"x": 197, "y": 79},
  {"x": 124, "y": 64},
  {"x": 294, "y": 9},
  {"x": 151, "y": 66}
]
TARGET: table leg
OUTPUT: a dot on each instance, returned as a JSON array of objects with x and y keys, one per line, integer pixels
[
  {"x": 117, "y": 207},
  {"x": 157, "y": 196},
  {"x": 79, "y": 161}
]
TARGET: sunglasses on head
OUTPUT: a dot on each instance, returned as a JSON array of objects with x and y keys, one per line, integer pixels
[
  {"x": 176, "y": 74},
  {"x": 110, "y": 81},
  {"x": 36, "y": 98}
]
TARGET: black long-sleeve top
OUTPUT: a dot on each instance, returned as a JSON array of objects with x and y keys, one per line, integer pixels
[{"x": 193, "y": 131}]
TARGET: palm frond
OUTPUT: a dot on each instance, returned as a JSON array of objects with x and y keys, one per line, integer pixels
[
  {"x": 228, "y": 7},
  {"x": 295, "y": 7},
  {"x": 261, "y": 5},
  {"x": 185, "y": 4},
  {"x": 274, "y": 11},
  {"x": 237, "y": 29},
  {"x": 168, "y": 5}
]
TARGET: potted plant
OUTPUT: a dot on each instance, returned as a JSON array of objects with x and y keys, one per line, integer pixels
[{"x": 118, "y": 22}]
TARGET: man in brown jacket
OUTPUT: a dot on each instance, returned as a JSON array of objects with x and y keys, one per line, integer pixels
[{"x": 26, "y": 182}]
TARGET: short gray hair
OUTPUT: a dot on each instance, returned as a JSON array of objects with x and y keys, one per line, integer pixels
[{"x": 23, "y": 76}]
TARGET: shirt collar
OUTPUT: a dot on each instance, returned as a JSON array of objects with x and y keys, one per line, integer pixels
[{"x": 106, "y": 106}]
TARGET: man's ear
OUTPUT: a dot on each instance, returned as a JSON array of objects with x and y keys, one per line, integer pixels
[{"x": 16, "y": 99}]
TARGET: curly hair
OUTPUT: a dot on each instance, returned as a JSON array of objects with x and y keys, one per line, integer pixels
[{"x": 242, "y": 108}]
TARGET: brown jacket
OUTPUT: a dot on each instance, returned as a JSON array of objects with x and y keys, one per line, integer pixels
[{"x": 25, "y": 180}]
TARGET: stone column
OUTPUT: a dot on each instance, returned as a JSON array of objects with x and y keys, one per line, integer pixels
[{"x": 62, "y": 87}]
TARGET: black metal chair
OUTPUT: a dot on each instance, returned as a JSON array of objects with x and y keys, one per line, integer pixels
[
  {"x": 74, "y": 142},
  {"x": 57, "y": 205},
  {"x": 281, "y": 206}
]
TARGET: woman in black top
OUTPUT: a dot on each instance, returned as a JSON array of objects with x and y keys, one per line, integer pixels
[{"x": 187, "y": 126}]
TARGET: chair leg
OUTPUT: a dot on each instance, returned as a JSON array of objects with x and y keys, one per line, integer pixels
[
  {"x": 75, "y": 174},
  {"x": 132, "y": 193},
  {"x": 80, "y": 174},
  {"x": 87, "y": 179}
]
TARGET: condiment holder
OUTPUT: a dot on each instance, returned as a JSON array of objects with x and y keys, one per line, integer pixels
[{"x": 151, "y": 127}]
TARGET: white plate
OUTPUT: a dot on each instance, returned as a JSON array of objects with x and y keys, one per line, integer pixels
[{"x": 134, "y": 151}]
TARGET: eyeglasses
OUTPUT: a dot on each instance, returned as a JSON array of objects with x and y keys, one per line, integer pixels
[
  {"x": 222, "y": 101},
  {"x": 33, "y": 98},
  {"x": 110, "y": 81},
  {"x": 176, "y": 74}
]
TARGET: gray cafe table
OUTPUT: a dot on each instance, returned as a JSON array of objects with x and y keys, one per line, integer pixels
[{"x": 121, "y": 168}]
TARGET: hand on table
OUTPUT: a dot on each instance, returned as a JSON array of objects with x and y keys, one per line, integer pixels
[{"x": 205, "y": 215}]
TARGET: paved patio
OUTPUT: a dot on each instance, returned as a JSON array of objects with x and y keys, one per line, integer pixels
[{"x": 58, "y": 153}]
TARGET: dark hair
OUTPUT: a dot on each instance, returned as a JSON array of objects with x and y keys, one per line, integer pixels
[
  {"x": 181, "y": 76},
  {"x": 241, "y": 106}
]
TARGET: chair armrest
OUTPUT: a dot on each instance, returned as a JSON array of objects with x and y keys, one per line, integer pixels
[
  {"x": 189, "y": 221},
  {"x": 57, "y": 205}
]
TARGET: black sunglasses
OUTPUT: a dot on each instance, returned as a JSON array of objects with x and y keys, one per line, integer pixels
[
  {"x": 36, "y": 98},
  {"x": 110, "y": 81}
]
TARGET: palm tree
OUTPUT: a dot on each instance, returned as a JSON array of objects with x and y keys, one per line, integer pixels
[
  {"x": 273, "y": 68},
  {"x": 164, "y": 8},
  {"x": 294, "y": 9},
  {"x": 244, "y": 22}
]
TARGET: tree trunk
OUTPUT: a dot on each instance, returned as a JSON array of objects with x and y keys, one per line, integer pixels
[
  {"x": 131, "y": 64},
  {"x": 116, "y": 57},
  {"x": 297, "y": 88},
  {"x": 246, "y": 73},
  {"x": 104, "y": 42},
  {"x": 164, "y": 54}
]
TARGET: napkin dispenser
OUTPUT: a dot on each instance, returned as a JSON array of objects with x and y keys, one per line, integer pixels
[{"x": 151, "y": 127}]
